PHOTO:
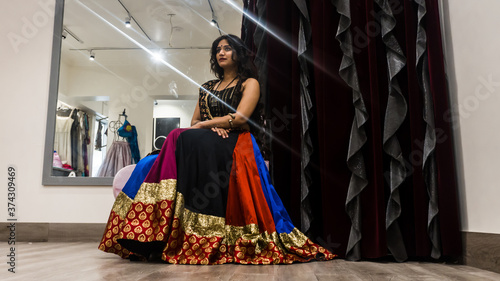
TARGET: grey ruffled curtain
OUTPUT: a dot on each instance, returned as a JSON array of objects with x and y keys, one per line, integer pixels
[
  {"x": 306, "y": 147},
  {"x": 394, "y": 116},
  {"x": 361, "y": 164}
]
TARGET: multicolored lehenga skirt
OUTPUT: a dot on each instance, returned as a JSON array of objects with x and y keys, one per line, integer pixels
[{"x": 205, "y": 200}]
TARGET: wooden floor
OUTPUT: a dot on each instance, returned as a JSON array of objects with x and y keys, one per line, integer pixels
[{"x": 83, "y": 261}]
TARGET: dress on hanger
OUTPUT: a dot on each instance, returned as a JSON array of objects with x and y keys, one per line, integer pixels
[
  {"x": 118, "y": 156},
  {"x": 129, "y": 132},
  {"x": 62, "y": 138}
]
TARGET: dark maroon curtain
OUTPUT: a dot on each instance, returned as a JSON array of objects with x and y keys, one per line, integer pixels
[{"x": 380, "y": 176}]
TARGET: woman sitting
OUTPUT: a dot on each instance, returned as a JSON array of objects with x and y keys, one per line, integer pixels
[{"x": 208, "y": 198}]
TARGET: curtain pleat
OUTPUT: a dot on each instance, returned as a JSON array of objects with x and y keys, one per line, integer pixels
[
  {"x": 357, "y": 140},
  {"x": 306, "y": 149},
  {"x": 428, "y": 159},
  {"x": 394, "y": 117}
]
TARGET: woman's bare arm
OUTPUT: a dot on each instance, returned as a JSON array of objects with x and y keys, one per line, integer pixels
[{"x": 196, "y": 115}]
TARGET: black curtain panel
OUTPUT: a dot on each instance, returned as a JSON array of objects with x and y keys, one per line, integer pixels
[{"x": 357, "y": 122}]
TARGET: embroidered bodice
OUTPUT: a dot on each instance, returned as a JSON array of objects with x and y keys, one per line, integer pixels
[{"x": 217, "y": 102}]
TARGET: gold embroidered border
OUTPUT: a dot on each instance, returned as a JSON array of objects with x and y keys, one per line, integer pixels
[
  {"x": 212, "y": 226},
  {"x": 150, "y": 193},
  {"x": 293, "y": 239},
  {"x": 259, "y": 240},
  {"x": 195, "y": 223},
  {"x": 179, "y": 206},
  {"x": 247, "y": 232},
  {"x": 122, "y": 205},
  {"x": 202, "y": 225}
]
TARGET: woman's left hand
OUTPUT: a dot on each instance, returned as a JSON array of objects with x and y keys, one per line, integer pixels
[{"x": 224, "y": 133}]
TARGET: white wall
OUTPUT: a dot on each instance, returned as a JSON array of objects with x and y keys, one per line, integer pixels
[{"x": 472, "y": 44}]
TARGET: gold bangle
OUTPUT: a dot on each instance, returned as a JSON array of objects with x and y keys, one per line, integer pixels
[
  {"x": 230, "y": 123},
  {"x": 231, "y": 115}
]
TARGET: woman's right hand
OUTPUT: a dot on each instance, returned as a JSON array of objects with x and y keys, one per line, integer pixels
[{"x": 224, "y": 133}]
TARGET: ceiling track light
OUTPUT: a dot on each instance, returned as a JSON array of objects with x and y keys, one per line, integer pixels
[
  {"x": 92, "y": 55},
  {"x": 131, "y": 18},
  {"x": 127, "y": 22}
]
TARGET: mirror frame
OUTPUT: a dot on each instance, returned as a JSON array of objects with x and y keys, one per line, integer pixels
[{"x": 47, "y": 178}]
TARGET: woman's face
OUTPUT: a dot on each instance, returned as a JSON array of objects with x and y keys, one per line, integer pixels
[{"x": 224, "y": 54}]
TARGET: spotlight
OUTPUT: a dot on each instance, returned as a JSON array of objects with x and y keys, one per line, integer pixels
[
  {"x": 213, "y": 22},
  {"x": 158, "y": 55},
  {"x": 64, "y": 34},
  {"x": 92, "y": 56},
  {"x": 127, "y": 22}
]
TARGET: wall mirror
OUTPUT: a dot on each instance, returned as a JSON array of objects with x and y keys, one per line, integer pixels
[{"x": 125, "y": 62}]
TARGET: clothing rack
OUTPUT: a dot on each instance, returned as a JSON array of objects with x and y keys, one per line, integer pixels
[
  {"x": 64, "y": 105},
  {"x": 65, "y": 110}
]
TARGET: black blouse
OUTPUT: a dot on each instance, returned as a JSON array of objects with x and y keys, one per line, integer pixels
[{"x": 218, "y": 102}]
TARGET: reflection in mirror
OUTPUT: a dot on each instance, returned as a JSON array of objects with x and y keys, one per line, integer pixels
[{"x": 116, "y": 91}]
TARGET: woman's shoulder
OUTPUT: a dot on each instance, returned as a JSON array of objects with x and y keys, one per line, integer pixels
[{"x": 250, "y": 83}]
